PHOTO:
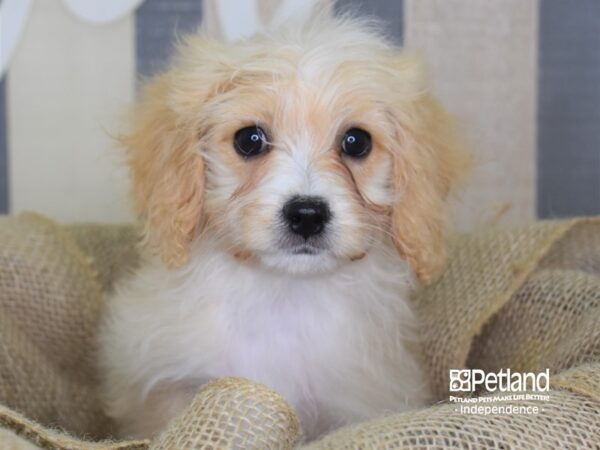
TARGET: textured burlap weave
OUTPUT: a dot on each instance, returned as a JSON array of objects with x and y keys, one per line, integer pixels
[{"x": 526, "y": 298}]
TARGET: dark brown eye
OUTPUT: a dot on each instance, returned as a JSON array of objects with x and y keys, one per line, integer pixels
[
  {"x": 250, "y": 141},
  {"x": 356, "y": 143}
]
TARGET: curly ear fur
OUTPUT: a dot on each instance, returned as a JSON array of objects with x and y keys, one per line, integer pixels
[
  {"x": 164, "y": 146},
  {"x": 166, "y": 169},
  {"x": 429, "y": 160}
]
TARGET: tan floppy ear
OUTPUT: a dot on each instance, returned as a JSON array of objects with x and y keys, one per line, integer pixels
[
  {"x": 167, "y": 173},
  {"x": 429, "y": 160}
]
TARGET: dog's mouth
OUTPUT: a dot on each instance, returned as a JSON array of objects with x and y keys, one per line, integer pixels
[
  {"x": 311, "y": 256},
  {"x": 306, "y": 249},
  {"x": 295, "y": 245}
]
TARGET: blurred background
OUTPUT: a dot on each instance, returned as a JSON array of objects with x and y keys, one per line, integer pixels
[{"x": 522, "y": 76}]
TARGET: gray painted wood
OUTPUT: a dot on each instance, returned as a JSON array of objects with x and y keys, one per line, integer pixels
[
  {"x": 158, "y": 23},
  {"x": 390, "y": 12},
  {"x": 569, "y": 108},
  {"x": 3, "y": 150}
]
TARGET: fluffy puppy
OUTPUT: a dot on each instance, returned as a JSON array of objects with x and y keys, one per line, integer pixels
[{"x": 292, "y": 187}]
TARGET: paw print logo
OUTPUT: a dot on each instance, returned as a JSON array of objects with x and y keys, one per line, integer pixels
[{"x": 460, "y": 380}]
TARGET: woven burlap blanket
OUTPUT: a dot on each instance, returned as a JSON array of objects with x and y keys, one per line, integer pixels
[{"x": 525, "y": 298}]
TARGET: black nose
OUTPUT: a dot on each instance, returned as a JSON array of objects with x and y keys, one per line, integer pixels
[{"x": 306, "y": 216}]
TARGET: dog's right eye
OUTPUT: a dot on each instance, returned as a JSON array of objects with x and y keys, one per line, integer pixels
[{"x": 250, "y": 141}]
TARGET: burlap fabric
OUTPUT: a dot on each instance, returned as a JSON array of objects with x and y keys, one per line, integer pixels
[{"x": 525, "y": 298}]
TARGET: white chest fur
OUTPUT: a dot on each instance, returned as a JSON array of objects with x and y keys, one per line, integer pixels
[{"x": 334, "y": 345}]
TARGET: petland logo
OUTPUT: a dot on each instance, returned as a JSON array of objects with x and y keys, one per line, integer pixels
[{"x": 472, "y": 380}]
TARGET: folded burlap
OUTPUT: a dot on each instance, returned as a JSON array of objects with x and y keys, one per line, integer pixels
[{"x": 526, "y": 298}]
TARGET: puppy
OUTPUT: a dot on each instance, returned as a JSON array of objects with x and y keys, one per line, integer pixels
[{"x": 293, "y": 190}]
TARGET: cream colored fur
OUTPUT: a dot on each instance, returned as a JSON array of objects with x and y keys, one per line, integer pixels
[{"x": 217, "y": 294}]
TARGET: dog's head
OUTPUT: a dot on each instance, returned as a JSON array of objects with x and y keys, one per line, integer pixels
[{"x": 298, "y": 152}]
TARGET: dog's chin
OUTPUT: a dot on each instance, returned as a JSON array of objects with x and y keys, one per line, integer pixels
[{"x": 301, "y": 261}]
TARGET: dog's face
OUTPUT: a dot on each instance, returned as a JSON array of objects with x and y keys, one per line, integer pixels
[{"x": 299, "y": 156}]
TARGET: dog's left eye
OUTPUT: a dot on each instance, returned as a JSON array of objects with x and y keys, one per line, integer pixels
[
  {"x": 356, "y": 143},
  {"x": 250, "y": 141}
]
